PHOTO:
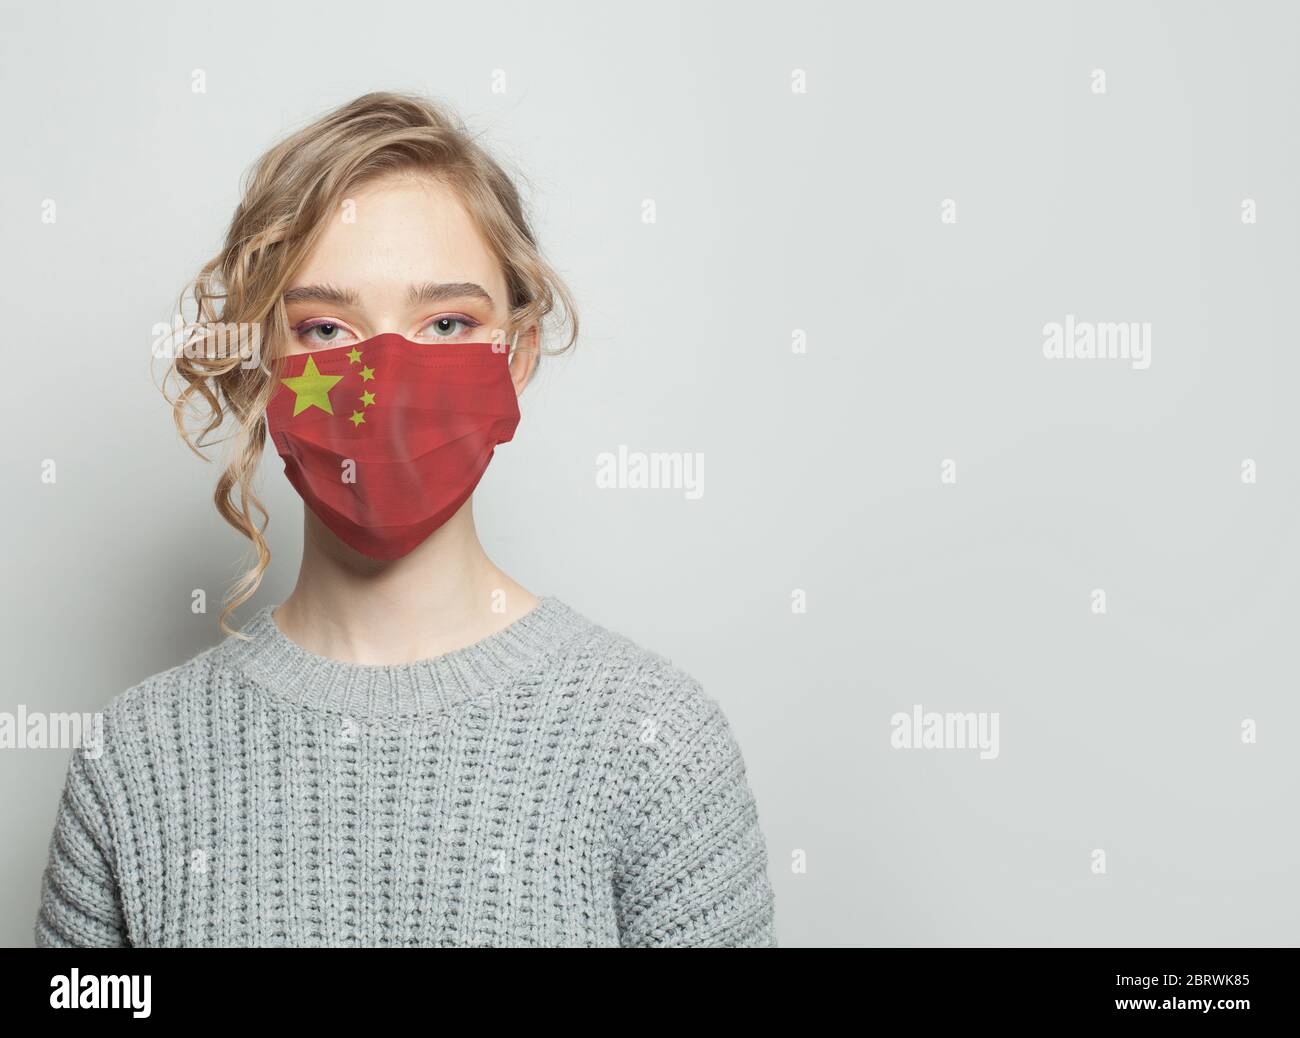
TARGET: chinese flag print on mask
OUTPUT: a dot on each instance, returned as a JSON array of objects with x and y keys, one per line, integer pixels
[{"x": 387, "y": 438}]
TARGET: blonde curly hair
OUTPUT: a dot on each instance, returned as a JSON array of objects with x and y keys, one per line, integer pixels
[{"x": 288, "y": 196}]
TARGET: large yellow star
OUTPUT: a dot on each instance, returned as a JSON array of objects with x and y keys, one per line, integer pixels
[{"x": 312, "y": 389}]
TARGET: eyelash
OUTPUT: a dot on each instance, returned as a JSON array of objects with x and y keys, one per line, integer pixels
[{"x": 318, "y": 322}]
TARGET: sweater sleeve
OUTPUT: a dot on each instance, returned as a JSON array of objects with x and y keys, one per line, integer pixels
[
  {"x": 691, "y": 870},
  {"x": 80, "y": 904}
]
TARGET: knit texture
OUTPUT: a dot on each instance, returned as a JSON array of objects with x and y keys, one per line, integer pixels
[{"x": 551, "y": 785}]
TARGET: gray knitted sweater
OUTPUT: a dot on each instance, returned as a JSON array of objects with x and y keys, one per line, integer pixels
[{"x": 550, "y": 785}]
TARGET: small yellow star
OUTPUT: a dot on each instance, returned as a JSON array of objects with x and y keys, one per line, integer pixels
[
  {"x": 367, "y": 399},
  {"x": 354, "y": 355},
  {"x": 367, "y": 374},
  {"x": 357, "y": 418}
]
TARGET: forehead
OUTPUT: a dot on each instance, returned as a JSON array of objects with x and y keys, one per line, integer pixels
[{"x": 401, "y": 229}]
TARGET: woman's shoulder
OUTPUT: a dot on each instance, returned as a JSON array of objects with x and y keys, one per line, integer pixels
[
  {"x": 645, "y": 681},
  {"x": 131, "y": 708}
]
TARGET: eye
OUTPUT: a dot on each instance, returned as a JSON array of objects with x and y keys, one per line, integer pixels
[
  {"x": 323, "y": 333},
  {"x": 448, "y": 326}
]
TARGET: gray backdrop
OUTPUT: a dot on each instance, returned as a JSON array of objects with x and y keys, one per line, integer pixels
[{"x": 923, "y": 340}]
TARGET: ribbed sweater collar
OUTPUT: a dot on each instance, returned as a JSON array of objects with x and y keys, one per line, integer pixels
[{"x": 426, "y": 686}]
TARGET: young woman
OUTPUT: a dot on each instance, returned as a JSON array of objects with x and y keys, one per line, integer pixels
[{"x": 410, "y": 749}]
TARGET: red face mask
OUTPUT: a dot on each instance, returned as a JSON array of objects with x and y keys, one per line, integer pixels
[{"x": 387, "y": 438}]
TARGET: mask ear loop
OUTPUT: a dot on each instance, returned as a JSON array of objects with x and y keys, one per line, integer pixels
[{"x": 514, "y": 345}]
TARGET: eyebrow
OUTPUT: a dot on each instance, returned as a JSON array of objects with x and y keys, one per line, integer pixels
[
  {"x": 432, "y": 292},
  {"x": 429, "y": 292}
]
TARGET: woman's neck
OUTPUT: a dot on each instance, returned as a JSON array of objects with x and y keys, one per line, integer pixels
[{"x": 443, "y": 596}]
